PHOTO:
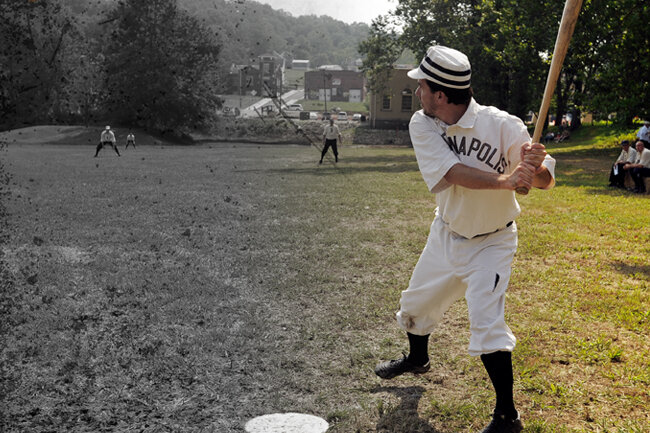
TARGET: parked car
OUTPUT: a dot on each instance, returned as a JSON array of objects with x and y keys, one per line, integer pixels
[
  {"x": 342, "y": 116},
  {"x": 230, "y": 111},
  {"x": 295, "y": 107},
  {"x": 356, "y": 116},
  {"x": 313, "y": 116}
]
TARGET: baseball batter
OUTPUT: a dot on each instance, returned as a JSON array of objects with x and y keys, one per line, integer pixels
[{"x": 472, "y": 157}]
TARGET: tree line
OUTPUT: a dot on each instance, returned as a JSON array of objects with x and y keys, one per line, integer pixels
[
  {"x": 248, "y": 29},
  {"x": 147, "y": 64},
  {"x": 510, "y": 43},
  {"x": 158, "y": 64}
]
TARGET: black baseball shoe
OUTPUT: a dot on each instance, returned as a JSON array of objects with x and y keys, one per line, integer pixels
[
  {"x": 503, "y": 424},
  {"x": 396, "y": 367}
]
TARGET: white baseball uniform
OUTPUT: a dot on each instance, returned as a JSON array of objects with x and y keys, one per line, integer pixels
[
  {"x": 331, "y": 132},
  {"x": 473, "y": 238},
  {"x": 107, "y": 136}
]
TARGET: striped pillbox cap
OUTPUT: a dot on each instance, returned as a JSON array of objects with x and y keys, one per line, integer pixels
[{"x": 444, "y": 66}]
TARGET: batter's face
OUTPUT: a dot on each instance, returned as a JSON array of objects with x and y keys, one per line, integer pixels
[{"x": 429, "y": 101}]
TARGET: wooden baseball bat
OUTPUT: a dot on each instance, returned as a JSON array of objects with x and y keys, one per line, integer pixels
[{"x": 567, "y": 25}]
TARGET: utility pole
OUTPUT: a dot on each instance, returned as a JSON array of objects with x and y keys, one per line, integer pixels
[
  {"x": 240, "y": 84},
  {"x": 324, "y": 93},
  {"x": 242, "y": 70},
  {"x": 328, "y": 76}
]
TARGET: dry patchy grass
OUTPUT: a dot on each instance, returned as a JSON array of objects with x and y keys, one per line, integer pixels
[{"x": 192, "y": 288}]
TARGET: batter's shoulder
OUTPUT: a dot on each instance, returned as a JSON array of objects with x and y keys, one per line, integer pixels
[
  {"x": 419, "y": 120},
  {"x": 418, "y": 116},
  {"x": 499, "y": 114}
]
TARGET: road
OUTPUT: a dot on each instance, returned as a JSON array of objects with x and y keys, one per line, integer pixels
[{"x": 288, "y": 98}]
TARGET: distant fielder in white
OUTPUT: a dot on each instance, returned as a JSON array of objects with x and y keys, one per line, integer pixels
[
  {"x": 472, "y": 157},
  {"x": 107, "y": 138},
  {"x": 330, "y": 134},
  {"x": 130, "y": 139}
]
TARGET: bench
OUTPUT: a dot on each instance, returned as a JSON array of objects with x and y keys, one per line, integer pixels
[{"x": 629, "y": 183}]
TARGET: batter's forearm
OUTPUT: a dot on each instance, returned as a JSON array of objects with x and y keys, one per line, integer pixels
[{"x": 473, "y": 178}]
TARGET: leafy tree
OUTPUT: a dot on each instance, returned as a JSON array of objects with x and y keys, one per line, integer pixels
[
  {"x": 510, "y": 43},
  {"x": 247, "y": 29},
  {"x": 504, "y": 55},
  {"x": 614, "y": 59},
  {"x": 83, "y": 89},
  {"x": 381, "y": 50},
  {"x": 161, "y": 67},
  {"x": 33, "y": 39}
]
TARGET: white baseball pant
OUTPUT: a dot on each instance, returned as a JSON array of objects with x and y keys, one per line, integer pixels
[{"x": 452, "y": 266}]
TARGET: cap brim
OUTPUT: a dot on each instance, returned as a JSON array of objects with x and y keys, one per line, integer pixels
[{"x": 417, "y": 74}]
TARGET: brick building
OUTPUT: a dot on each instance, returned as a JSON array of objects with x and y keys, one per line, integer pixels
[
  {"x": 336, "y": 85},
  {"x": 392, "y": 108},
  {"x": 263, "y": 77}
]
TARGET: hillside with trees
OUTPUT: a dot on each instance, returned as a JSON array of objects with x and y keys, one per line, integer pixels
[
  {"x": 159, "y": 64},
  {"x": 247, "y": 29}
]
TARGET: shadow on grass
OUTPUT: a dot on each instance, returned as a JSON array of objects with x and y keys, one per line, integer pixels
[
  {"x": 403, "y": 418},
  {"x": 631, "y": 269},
  {"x": 567, "y": 150},
  {"x": 598, "y": 188},
  {"x": 329, "y": 168},
  {"x": 380, "y": 159}
]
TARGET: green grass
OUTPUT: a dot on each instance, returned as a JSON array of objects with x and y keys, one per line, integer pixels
[{"x": 191, "y": 288}]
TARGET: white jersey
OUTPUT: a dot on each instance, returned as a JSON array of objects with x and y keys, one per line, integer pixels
[
  {"x": 107, "y": 135},
  {"x": 485, "y": 138},
  {"x": 331, "y": 132}
]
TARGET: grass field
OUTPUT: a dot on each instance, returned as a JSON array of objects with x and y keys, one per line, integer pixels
[{"x": 191, "y": 288}]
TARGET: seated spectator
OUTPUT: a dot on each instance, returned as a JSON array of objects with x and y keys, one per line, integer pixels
[
  {"x": 640, "y": 168},
  {"x": 565, "y": 134},
  {"x": 550, "y": 136},
  {"x": 643, "y": 134},
  {"x": 617, "y": 174}
]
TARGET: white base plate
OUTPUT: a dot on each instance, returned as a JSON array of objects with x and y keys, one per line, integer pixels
[{"x": 287, "y": 423}]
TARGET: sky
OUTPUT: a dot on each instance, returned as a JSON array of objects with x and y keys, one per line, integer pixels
[{"x": 347, "y": 11}]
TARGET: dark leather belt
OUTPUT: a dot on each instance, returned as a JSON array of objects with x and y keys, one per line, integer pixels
[{"x": 485, "y": 234}]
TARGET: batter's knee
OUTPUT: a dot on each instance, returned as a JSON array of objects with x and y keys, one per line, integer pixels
[
  {"x": 491, "y": 337},
  {"x": 414, "y": 325}
]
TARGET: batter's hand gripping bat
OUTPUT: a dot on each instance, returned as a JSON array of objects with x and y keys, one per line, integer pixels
[{"x": 567, "y": 25}]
